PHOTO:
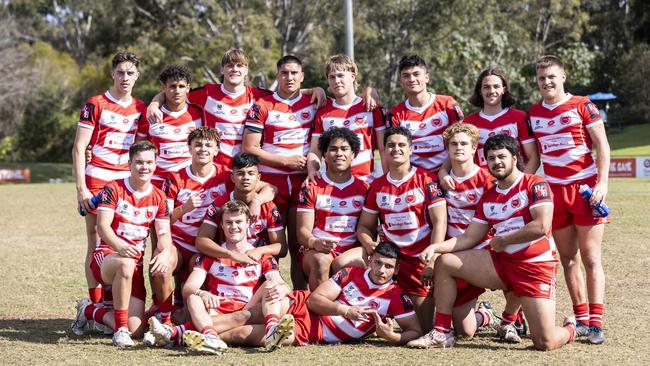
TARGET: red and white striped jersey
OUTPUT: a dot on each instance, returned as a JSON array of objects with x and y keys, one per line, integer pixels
[
  {"x": 509, "y": 121},
  {"x": 364, "y": 124},
  {"x": 427, "y": 125},
  {"x": 133, "y": 213},
  {"x": 358, "y": 290},
  {"x": 114, "y": 125},
  {"x": 269, "y": 220},
  {"x": 563, "y": 140},
  {"x": 170, "y": 138},
  {"x": 336, "y": 208},
  {"x": 179, "y": 187},
  {"x": 509, "y": 210},
  {"x": 462, "y": 201},
  {"x": 226, "y": 112},
  {"x": 402, "y": 206},
  {"x": 285, "y": 126},
  {"x": 234, "y": 281}
]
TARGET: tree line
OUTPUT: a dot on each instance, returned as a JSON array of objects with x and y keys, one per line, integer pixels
[{"x": 56, "y": 53}]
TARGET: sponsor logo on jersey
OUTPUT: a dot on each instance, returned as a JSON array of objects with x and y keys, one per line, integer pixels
[
  {"x": 515, "y": 203},
  {"x": 471, "y": 197},
  {"x": 356, "y": 203},
  {"x": 436, "y": 122},
  {"x": 565, "y": 120},
  {"x": 305, "y": 115},
  {"x": 360, "y": 120}
]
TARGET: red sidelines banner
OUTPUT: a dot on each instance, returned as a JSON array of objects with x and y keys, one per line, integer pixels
[
  {"x": 14, "y": 175},
  {"x": 622, "y": 167}
]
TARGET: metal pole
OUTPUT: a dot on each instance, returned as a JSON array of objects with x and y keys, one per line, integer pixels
[{"x": 349, "y": 32}]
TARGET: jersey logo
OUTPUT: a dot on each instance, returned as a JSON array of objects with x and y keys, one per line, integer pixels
[
  {"x": 541, "y": 191},
  {"x": 277, "y": 218},
  {"x": 406, "y": 302},
  {"x": 87, "y": 112},
  {"x": 338, "y": 277},
  {"x": 593, "y": 110},
  {"x": 105, "y": 195},
  {"x": 302, "y": 196},
  {"x": 434, "y": 191},
  {"x": 458, "y": 112},
  {"x": 212, "y": 211}
]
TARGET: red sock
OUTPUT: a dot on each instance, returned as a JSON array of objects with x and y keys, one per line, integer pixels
[
  {"x": 95, "y": 313},
  {"x": 572, "y": 332},
  {"x": 166, "y": 307},
  {"x": 596, "y": 315},
  {"x": 121, "y": 318},
  {"x": 581, "y": 312},
  {"x": 442, "y": 322},
  {"x": 270, "y": 321},
  {"x": 95, "y": 294},
  {"x": 507, "y": 318},
  {"x": 209, "y": 330}
]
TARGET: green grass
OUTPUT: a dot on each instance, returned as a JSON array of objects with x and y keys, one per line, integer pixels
[
  {"x": 633, "y": 140},
  {"x": 42, "y": 248}
]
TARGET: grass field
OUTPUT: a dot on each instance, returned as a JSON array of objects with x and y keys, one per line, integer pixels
[
  {"x": 42, "y": 248},
  {"x": 633, "y": 140}
]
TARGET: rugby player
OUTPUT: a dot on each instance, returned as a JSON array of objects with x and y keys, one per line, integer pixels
[
  {"x": 426, "y": 115},
  {"x": 278, "y": 131},
  {"x": 520, "y": 209},
  {"x": 409, "y": 205},
  {"x": 265, "y": 233},
  {"x": 329, "y": 208},
  {"x": 108, "y": 124},
  {"x": 566, "y": 128},
  {"x": 128, "y": 208},
  {"x": 348, "y": 110}
]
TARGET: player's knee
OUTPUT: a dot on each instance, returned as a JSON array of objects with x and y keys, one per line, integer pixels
[
  {"x": 322, "y": 263},
  {"x": 591, "y": 262},
  {"x": 543, "y": 343},
  {"x": 126, "y": 268},
  {"x": 194, "y": 303}
]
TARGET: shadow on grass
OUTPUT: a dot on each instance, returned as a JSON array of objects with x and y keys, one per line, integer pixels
[{"x": 49, "y": 331}]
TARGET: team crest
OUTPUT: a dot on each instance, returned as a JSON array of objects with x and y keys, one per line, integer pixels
[
  {"x": 360, "y": 120},
  {"x": 436, "y": 122},
  {"x": 410, "y": 198},
  {"x": 305, "y": 115},
  {"x": 541, "y": 191},
  {"x": 471, "y": 197},
  {"x": 398, "y": 200},
  {"x": 515, "y": 203},
  {"x": 149, "y": 214},
  {"x": 565, "y": 120},
  {"x": 551, "y": 123},
  {"x": 356, "y": 203},
  {"x": 87, "y": 112},
  {"x": 343, "y": 203},
  {"x": 505, "y": 132}
]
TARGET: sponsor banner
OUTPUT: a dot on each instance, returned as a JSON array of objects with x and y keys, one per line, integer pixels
[
  {"x": 622, "y": 167},
  {"x": 643, "y": 167},
  {"x": 14, "y": 175}
]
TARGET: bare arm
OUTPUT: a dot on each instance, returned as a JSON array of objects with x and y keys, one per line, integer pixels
[
  {"x": 154, "y": 115},
  {"x": 81, "y": 141},
  {"x": 305, "y": 222},
  {"x": 443, "y": 174},
  {"x": 599, "y": 139},
  {"x": 380, "y": 147},
  {"x": 532, "y": 157},
  {"x": 165, "y": 256},
  {"x": 472, "y": 236},
  {"x": 438, "y": 218}
]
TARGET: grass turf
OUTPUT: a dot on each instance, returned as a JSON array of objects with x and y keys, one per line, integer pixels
[{"x": 42, "y": 248}]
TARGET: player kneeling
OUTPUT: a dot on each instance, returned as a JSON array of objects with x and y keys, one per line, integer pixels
[
  {"x": 127, "y": 209},
  {"x": 232, "y": 286},
  {"x": 520, "y": 209},
  {"x": 353, "y": 304}
]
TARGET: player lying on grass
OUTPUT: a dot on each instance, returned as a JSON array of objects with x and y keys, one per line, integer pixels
[
  {"x": 127, "y": 209},
  {"x": 231, "y": 286},
  {"x": 519, "y": 208},
  {"x": 353, "y": 304},
  {"x": 329, "y": 208}
]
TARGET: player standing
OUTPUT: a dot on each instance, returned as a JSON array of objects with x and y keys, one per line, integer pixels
[
  {"x": 410, "y": 208},
  {"x": 424, "y": 114},
  {"x": 278, "y": 130},
  {"x": 179, "y": 119},
  {"x": 329, "y": 208},
  {"x": 566, "y": 127},
  {"x": 519, "y": 208},
  {"x": 108, "y": 123},
  {"x": 127, "y": 210},
  {"x": 348, "y": 110}
]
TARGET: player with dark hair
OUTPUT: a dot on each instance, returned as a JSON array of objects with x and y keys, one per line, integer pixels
[
  {"x": 424, "y": 114},
  {"x": 179, "y": 119},
  {"x": 278, "y": 131},
  {"x": 265, "y": 232},
  {"x": 329, "y": 208},
  {"x": 410, "y": 208},
  {"x": 566, "y": 127},
  {"x": 128, "y": 208},
  {"x": 519, "y": 208},
  {"x": 347, "y": 110},
  {"x": 353, "y": 304},
  {"x": 107, "y": 125}
]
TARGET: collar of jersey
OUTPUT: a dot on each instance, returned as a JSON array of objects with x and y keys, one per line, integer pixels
[
  {"x": 287, "y": 101},
  {"x": 115, "y": 100},
  {"x": 399, "y": 182},
  {"x": 494, "y": 116},
  {"x": 231, "y": 94},
  {"x": 468, "y": 176},
  {"x": 340, "y": 186},
  {"x": 432, "y": 98},
  {"x": 516, "y": 182},
  {"x": 136, "y": 193},
  {"x": 373, "y": 285},
  {"x": 356, "y": 101},
  {"x": 188, "y": 169},
  {"x": 553, "y": 106}
]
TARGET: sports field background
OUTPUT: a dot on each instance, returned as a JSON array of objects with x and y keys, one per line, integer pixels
[{"x": 42, "y": 247}]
